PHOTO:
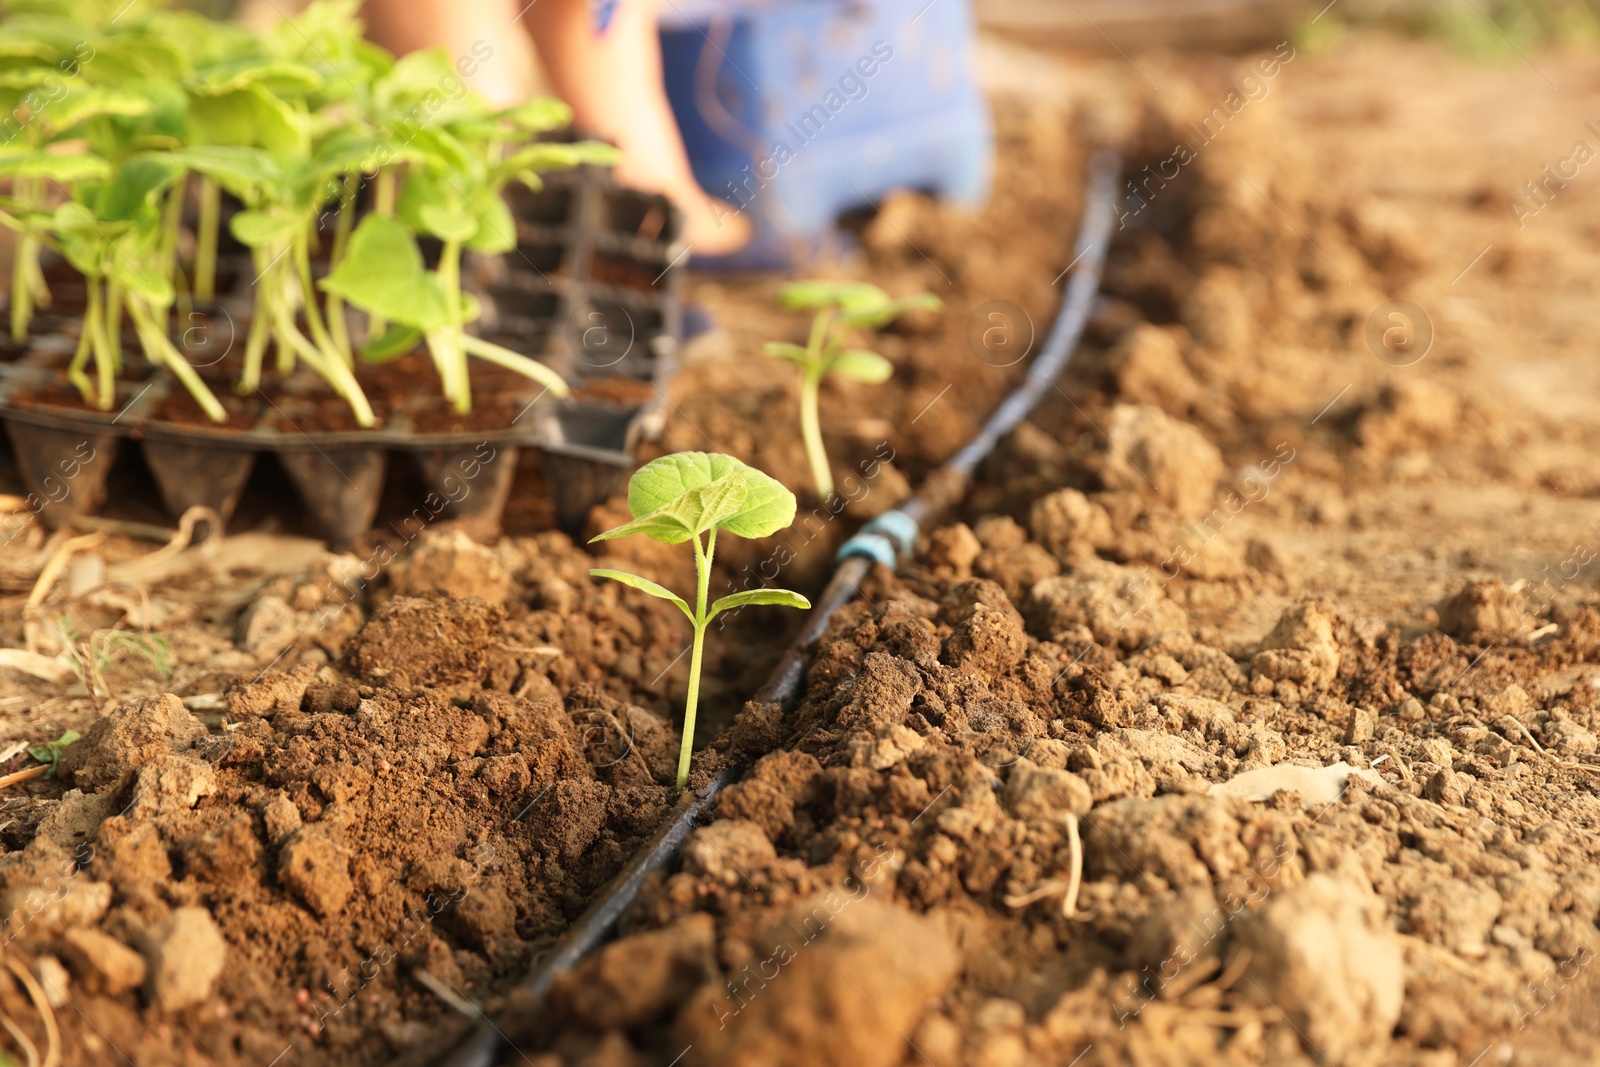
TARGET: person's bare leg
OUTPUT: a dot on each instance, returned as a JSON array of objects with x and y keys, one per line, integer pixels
[
  {"x": 613, "y": 82},
  {"x": 463, "y": 30}
]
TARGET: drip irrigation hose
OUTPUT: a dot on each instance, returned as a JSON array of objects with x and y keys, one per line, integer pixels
[{"x": 887, "y": 539}]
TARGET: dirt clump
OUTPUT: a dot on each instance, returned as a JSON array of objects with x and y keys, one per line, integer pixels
[
  {"x": 451, "y": 564},
  {"x": 1484, "y": 610},
  {"x": 819, "y": 955},
  {"x": 102, "y": 963},
  {"x": 640, "y": 980},
  {"x": 1301, "y": 649},
  {"x": 117, "y": 746},
  {"x": 187, "y": 954},
  {"x": 426, "y": 641},
  {"x": 1150, "y": 451},
  {"x": 316, "y": 869},
  {"x": 1066, "y": 522},
  {"x": 344, "y": 833},
  {"x": 1319, "y": 953},
  {"x": 1148, "y": 367}
]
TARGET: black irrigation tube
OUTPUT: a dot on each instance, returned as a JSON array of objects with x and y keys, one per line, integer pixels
[{"x": 883, "y": 540}]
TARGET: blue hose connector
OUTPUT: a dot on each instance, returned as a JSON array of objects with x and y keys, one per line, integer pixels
[{"x": 887, "y": 539}]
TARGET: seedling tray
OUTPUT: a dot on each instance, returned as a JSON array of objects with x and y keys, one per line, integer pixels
[{"x": 614, "y": 340}]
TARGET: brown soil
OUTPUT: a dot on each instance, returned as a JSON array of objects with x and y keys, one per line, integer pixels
[
  {"x": 180, "y": 408},
  {"x": 1298, "y": 645},
  {"x": 623, "y": 272},
  {"x": 616, "y": 390},
  {"x": 491, "y": 411},
  {"x": 320, "y": 414},
  {"x": 64, "y": 396}
]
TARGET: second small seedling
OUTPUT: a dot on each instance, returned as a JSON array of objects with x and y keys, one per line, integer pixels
[
  {"x": 687, "y": 497},
  {"x": 841, "y": 309}
]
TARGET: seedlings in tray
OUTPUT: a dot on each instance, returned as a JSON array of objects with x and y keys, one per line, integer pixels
[
  {"x": 841, "y": 309},
  {"x": 685, "y": 497},
  {"x": 289, "y": 123},
  {"x": 453, "y": 193}
]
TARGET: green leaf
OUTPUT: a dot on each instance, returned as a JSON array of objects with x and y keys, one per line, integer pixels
[
  {"x": 539, "y": 115},
  {"x": 132, "y": 191},
  {"x": 258, "y": 228},
  {"x": 447, "y": 223},
  {"x": 150, "y": 282},
  {"x": 880, "y": 314},
  {"x": 30, "y": 77},
  {"x": 644, "y": 585},
  {"x": 413, "y": 76},
  {"x": 278, "y": 77},
  {"x": 396, "y": 342},
  {"x": 497, "y": 229},
  {"x": 57, "y": 168},
  {"x": 51, "y": 751},
  {"x": 824, "y": 293},
  {"x": 688, "y": 514},
  {"x": 859, "y": 365},
  {"x": 443, "y": 151},
  {"x": 249, "y": 116},
  {"x": 136, "y": 56},
  {"x": 663, "y": 528},
  {"x": 26, "y": 50},
  {"x": 552, "y": 156},
  {"x": 80, "y": 107},
  {"x": 781, "y": 597},
  {"x": 73, "y": 217},
  {"x": 767, "y": 505},
  {"x": 785, "y": 350},
  {"x": 383, "y": 274},
  {"x": 706, "y": 506},
  {"x": 243, "y": 171}
]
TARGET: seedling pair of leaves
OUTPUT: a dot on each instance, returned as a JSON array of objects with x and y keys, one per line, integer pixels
[
  {"x": 453, "y": 192},
  {"x": 51, "y": 751},
  {"x": 692, "y": 496},
  {"x": 842, "y": 309}
]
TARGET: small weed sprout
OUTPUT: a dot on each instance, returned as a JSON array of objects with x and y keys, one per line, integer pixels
[
  {"x": 691, "y": 496},
  {"x": 51, "y": 751},
  {"x": 841, "y": 309},
  {"x": 91, "y": 657}
]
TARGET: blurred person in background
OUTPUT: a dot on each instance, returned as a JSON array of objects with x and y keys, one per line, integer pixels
[{"x": 603, "y": 57}]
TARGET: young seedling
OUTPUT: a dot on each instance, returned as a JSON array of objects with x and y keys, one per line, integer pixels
[
  {"x": 841, "y": 309},
  {"x": 453, "y": 193},
  {"x": 93, "y": 656},
  {"x": 687, "y": 497},
  {"x": 51, "y": 751}
]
